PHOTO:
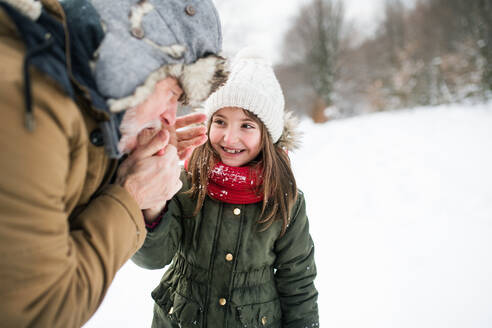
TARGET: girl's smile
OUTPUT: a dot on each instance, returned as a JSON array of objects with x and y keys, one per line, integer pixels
[{"x": 235, "y": 136}]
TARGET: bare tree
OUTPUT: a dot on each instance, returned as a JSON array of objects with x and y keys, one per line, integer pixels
[
  {"x": 394, "y": 28},
  {"x": 437, "y": 51},
  {"x": 483, "y": 15},
  {"x": 313, "y": 44}
]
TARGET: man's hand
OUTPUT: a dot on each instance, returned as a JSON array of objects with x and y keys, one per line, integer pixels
[
  {"x": 191, "y": 137},
  {"x": 150, "y": 178},
  {"x": 151, "y": 172}
]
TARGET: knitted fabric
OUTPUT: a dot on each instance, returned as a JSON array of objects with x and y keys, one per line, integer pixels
[
  {"x": 252, "y": 85},
  {"x": 234, "y": 185}
]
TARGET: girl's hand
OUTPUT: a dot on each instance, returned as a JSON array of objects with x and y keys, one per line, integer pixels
[{"x": 191, "y": 137}]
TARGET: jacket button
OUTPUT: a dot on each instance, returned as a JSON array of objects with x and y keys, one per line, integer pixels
[
  {"x": 190, "y": 10},
  {"x": 236, "y": 211},
  {"x": 263, "y": 321},
  {"x": 96, "y": 138},
  {"x": 222, "y": 301},
  {"x": 229, "y": 257}
]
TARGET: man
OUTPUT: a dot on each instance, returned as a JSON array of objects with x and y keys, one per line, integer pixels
[{"x": 68, "y": 222}]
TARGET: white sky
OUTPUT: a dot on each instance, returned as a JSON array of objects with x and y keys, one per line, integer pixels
[{"x": 263, "y": 23}]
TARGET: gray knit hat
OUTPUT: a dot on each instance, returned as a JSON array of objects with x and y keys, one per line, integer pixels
[
  {"x": 149, "y": 40},
  {"x": 252, "y": 85}
]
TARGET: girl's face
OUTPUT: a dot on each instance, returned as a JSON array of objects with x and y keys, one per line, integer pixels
[{"x": 235, "y": 136}]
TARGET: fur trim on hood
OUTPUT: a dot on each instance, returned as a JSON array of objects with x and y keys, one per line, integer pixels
[
  {"x": 291, "y": 136},
  {"x": 198, "y": 81}
]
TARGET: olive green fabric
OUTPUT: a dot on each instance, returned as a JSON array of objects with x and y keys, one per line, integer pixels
[{"x": 227, "y": 273}]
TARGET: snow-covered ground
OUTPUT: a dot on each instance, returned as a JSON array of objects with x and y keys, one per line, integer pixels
[{"x": 400, "y": 206}]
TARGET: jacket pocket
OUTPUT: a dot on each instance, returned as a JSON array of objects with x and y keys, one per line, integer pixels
[
  {"x": 186, "y": 312},
  {"x": 268, "y": 314},
  {"x": 162, "y": 296},
  {"x": 178, "y": 308}
]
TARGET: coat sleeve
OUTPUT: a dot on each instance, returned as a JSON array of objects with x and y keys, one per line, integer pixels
[
  {"x": 163, "y": 241},
  {"x": 54, "y": 271},
  {"x": 296, "y": 270}
]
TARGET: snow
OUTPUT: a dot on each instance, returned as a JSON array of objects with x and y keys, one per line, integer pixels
[
  {"x": 400, "y": 207},
  {"x": 223, "y": 172}
]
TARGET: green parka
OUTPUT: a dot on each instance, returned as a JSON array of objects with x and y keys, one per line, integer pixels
[{"x": 227, "y": 273}]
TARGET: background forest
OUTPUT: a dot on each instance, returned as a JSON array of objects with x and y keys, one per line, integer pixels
[{"x": 423, "y": 52}]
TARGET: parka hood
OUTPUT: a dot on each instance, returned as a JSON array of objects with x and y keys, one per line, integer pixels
[
  {"x": 125, "y": 47},
  {"x": 149, "y": 40}
]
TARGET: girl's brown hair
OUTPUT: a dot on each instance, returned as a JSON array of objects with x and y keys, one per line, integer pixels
[{"x": 279, "y": 186}]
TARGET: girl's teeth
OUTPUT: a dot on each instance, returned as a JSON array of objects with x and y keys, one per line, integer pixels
[{"x": 232, "y": 151}]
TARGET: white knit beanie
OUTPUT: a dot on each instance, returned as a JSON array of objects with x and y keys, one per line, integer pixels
[{"x": 252, "y": 85}]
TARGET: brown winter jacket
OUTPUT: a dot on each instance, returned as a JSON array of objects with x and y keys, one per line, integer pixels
[{"x": 64, "y": 230}]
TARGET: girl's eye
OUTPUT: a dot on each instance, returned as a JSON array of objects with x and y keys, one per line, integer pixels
[
  {"x": 248, "y": 126},
  {"x": 218, "y": 121}
]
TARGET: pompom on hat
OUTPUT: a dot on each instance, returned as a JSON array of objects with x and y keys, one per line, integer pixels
[{"x": 252, "y": 85}]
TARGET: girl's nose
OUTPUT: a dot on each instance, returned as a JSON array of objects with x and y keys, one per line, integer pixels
[{"x": 230, "y": 136}]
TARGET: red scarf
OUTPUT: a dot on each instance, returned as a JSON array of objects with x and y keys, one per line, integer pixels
[{"x": 234, "y": 185}]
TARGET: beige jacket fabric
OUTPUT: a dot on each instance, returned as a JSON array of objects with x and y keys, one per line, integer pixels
[{"x": 64, "y": 230}]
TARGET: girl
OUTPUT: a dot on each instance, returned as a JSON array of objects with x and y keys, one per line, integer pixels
[{"x": 237, "y": 233}]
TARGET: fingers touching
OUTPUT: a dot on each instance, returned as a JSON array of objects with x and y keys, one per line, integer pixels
[{"x": 190, "y": 119}]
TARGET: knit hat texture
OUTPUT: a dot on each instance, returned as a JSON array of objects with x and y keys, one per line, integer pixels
[{"x": 252, "y": 85}]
